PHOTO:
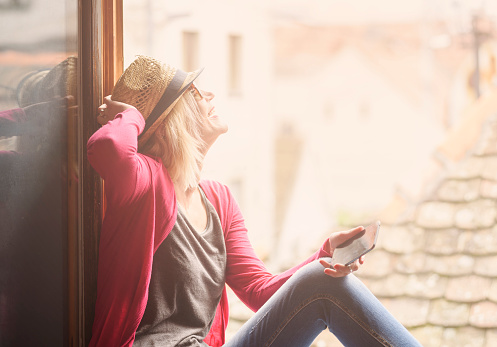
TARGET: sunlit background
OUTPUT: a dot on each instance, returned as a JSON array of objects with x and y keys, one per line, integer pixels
[
  {"x": 340, "y": 112},
  {"x": 335, "y": 108}
]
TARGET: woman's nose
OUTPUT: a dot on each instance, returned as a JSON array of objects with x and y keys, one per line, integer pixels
[{"x": 209, "y": 95}]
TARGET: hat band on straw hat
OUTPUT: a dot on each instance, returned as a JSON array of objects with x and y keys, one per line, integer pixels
[{"x": 168, "y": 97}]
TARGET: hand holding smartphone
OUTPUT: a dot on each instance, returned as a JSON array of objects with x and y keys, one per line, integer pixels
[{"x": 358, "y": 245}]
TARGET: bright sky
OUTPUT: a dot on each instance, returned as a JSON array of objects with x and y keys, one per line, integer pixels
[{"x": 364, "y": 11}]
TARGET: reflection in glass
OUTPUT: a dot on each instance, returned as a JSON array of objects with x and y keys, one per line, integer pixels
[{"x": 38, "y": 169}]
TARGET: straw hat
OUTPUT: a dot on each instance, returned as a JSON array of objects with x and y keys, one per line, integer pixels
[
  {"x": 153, "y": 88},
  {"x": 45, "y": 85}
]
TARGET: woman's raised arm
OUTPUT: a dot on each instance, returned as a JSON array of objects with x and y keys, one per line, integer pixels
[{"x": 112, "y": 151}]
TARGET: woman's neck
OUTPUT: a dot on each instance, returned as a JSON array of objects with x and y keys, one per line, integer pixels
[{"x": 184, "y": 195}]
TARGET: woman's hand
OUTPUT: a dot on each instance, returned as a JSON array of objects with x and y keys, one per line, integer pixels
[
  {"x": 108, "y": 110},
  {"x": 334, "y": 241}
]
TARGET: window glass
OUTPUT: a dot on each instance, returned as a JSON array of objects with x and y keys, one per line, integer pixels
[
  {"x": 190, "y": 51},
  {"x": 38, "y": 166},
  {"x": 235, "y": 56}
]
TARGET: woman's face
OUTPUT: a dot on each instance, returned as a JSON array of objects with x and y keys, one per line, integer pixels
[{"x": 213, "y": 125}]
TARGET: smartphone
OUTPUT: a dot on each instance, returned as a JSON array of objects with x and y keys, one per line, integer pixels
[{"x": 355, "y": 247}]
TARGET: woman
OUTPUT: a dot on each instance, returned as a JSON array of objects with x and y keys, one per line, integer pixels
[{"x": 170, "y": 241}]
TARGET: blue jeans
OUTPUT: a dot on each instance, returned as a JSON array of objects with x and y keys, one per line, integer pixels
[{"x": 310, "y": 302}]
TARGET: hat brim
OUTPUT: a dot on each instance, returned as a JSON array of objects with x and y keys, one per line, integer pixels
[{"x": 145, "y": 136}]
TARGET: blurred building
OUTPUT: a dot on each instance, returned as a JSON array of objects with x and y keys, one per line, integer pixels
[
  {"x": 367, "y": 106},
  {"x": 233, "y": 41},
  {"x": 434, "y": 268},
  {"x": 326, "y": 122}
]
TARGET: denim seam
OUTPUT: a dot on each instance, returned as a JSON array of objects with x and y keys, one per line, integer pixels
[
  {"x": 258, "y": 321},
  {"x": 370, "y": 331}
]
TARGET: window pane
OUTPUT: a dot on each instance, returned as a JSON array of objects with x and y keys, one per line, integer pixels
[
  {"x": 235, "y": 57},
  {"x": 190, "y": 51},
  {"x": 38, "y": 165}
]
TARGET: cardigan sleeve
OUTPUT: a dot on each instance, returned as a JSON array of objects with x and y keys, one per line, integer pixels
[
  {"x": 246, "y": 273},
  {"x": 112, "y": 151},
  {"x": 141, "y": 211}
]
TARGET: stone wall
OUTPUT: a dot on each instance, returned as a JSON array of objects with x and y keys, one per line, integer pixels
[{"x": 436, "y": 270}]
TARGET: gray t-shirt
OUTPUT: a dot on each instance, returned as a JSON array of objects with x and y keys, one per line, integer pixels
[{"x": 188, "y": 276}]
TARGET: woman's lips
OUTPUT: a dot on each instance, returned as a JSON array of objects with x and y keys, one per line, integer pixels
[{"x": 211, "y": 112}]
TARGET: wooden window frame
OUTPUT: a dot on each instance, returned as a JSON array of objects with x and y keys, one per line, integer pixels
[{"x": 100, "y": 35}]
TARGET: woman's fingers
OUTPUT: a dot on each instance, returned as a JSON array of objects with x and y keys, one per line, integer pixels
[
  {"x": 102, "y": 117},
  {"x": 354, "y": 266},
  {"x": 337, "y": 238},
  {"x": 109, "y": 109},
  {"x": 339, "y": 270},
  {"x": 329, "y": 270},
  {"x": 334, "y": 271}
]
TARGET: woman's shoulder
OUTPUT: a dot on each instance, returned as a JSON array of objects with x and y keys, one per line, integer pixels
[
  {"x": 214, "y": 187},
  {"x": 217, "y": 192}
]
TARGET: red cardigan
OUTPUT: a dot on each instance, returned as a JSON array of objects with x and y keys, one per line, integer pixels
[{"x": 141, "y": 212}]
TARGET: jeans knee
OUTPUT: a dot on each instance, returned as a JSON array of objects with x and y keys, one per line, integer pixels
[{"x": 312, "y": 279}]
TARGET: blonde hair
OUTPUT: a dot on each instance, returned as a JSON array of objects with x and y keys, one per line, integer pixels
[{"x": 178, "y": 142}]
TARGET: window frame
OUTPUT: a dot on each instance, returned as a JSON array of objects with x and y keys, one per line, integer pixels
[{"x": 100, "y": 50}]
